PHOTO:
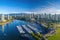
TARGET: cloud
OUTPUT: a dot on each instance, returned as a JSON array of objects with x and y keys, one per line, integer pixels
[{"x": 7, "y": 10}]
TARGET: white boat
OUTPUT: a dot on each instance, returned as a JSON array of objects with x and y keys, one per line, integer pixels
[
  {"x": 20, "y": 29},
  {"x": 27, "y": 29},
  {"x": 33, "y": 28}
]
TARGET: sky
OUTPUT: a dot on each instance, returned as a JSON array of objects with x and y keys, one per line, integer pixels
[{"x": 37, "y": 6}]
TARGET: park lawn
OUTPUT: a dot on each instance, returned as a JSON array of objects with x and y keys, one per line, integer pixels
[{"x": 56, "y": 36}]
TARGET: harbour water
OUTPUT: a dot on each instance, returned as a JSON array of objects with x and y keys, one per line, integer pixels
[{"x": 11, "y": 32}]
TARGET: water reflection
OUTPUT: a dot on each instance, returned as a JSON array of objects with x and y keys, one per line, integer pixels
[{"x": 2, "y": 27}]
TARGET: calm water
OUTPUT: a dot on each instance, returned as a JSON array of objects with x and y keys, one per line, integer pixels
[{"x": 11, "y": 32}]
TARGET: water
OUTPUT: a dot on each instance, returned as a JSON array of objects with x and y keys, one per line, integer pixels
[{"x": 11, "y": 32}]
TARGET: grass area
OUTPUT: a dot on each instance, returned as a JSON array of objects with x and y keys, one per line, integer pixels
[
  {"x": 37, "y": 36},
  {"x": 57, "y": 35}
]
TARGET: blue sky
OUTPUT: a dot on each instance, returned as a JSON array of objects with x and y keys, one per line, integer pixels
[{"x": 44, "y": 6}]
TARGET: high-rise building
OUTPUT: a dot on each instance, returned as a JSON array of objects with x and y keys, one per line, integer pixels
[{"x": 2, "y": 17}]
